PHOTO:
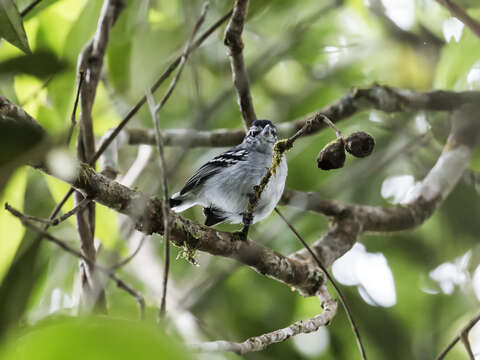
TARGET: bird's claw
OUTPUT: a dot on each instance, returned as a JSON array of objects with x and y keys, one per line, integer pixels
[{"x": 241, "y": 235}]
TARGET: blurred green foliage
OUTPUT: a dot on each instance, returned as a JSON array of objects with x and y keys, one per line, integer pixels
[
  {"x": 301, "y": 56},
  {"x": 93, "y": 338}
]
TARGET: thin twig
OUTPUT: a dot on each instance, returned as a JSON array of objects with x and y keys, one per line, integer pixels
[
  {"x": 461, "y": 15},
  {"x": 75, "y": 105},
  {"x": 130, "y": 257},
  {"x": 259, "y": 343},
  {"x": 81, "y": 205},
  {"x": 356, "y": 332},
  {"x": 329, "y": 122},
  {"x": 58, "y": 220},
  {"x": 183, "y": 58},
  {"x": 165, "y": 204},
  {"x": 463, "y": 335},
  {"x": 29, "y": 8},
  {"x": 233, "y": 40},
  {"x": 466, "y": 343},
  {"x": 43, "y": 234},
  {"x": 154, "y": 110}
]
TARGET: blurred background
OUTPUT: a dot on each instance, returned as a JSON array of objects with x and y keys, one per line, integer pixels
[{"x": 409, "y": 291}]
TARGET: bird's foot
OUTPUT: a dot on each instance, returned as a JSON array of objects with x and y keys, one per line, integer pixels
[{"x": 241, "y": 235}]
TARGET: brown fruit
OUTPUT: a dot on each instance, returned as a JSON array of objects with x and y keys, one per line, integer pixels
[
  {"x": 332, "y": 156},
  {"x": 359, "y": 144}
]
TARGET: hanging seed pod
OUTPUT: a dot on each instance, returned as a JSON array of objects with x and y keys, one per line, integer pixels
[
  {"x": 332, "y": 156},
  {"x": 359, "y": 144}
]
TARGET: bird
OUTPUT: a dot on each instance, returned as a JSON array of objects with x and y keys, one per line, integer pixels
[{"x": 224, "y": 185}]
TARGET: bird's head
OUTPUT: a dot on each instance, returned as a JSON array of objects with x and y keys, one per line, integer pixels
[{"x": 262, "y": 135}]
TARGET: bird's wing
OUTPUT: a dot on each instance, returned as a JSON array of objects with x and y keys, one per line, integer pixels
[{"x": 214, "y": 166}]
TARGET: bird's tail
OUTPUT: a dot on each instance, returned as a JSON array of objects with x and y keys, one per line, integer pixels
[{"x": 179, "y": 203}]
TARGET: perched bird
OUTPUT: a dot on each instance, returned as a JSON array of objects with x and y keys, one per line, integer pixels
[{"x": 224, "y": 184}]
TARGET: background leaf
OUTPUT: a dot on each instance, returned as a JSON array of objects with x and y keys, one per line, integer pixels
[
  {"x": 93, "y": 339},
  {"x": 11, "y": 26},
  {"x": 41, "y": 64}
]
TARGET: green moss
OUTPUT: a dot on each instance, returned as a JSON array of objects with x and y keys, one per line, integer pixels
[{"x": 188, "y": 254}]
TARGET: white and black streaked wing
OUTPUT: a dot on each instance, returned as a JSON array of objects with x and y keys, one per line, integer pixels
[{"x": 214, "y": 166}]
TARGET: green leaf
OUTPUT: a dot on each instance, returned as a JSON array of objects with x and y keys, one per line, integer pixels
[
  {"x": 94, "y": 339},
  {"x": 11, "y": 230},
  {"x": 16, "y": 288},
  {"x": 11, "y": 26},
  {"x": 40, "y": 64}
]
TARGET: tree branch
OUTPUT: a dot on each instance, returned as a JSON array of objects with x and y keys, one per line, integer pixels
[
  {"x": 233, "y": 40},
  {"x": 146, "y": 213},
  {"x": 90, "y": 63},
  {"x": 463, "y": 335},
  {"x": 380, "y": 97},
  {"x": 187, "y": 137},
  {"x": 154, "y": 110},
  {"x": 343, "y": 301},
  {"x": 258, "y": 343}
]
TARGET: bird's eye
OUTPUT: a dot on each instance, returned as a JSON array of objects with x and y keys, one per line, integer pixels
[{"x": 254, "y": 132}]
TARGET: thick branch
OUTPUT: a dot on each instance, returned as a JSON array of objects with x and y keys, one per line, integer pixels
[
  {"x": 378, "y": 97},
  {"x": 233, "y": 40},
  {"x": 146, "y": 212},
  {"x": 187, "y": 137}
]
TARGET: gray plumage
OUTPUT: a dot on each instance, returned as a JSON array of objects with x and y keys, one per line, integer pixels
[{"x": 223, "y": 185}]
